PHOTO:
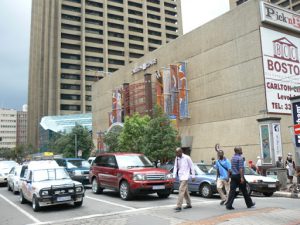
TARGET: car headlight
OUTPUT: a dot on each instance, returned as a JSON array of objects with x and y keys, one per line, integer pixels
[
  {"x": 1, "y": 175},
  {"x": 71, "y": 190},
  {"x": 139, "y": 177},
  {"x": 169, "y": 176},
  {"x": 45, "y": 193},
  {"x": 78, "y": 189},
  {"x": 76, "y": 172}
]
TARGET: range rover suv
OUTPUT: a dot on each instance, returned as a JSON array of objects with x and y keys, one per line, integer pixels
[{"x": 130, "y": 174}]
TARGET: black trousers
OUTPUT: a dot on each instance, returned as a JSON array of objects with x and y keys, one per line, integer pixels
[{"x": 234, "y": 183}]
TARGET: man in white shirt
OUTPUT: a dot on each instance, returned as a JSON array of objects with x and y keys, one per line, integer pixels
[{"x": 183, "y": 167}]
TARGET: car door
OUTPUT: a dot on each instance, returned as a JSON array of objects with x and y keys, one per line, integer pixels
[
  {"x": 112, "y": 172},
  {"x": 101, "y": 170},
  {"x": 10, "y": 177}
]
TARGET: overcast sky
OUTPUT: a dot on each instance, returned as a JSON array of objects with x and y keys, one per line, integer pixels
[{"x": 15, "y": 38}]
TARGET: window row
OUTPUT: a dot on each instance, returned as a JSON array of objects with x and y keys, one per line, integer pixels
[
  {"x": 74, "y": 107},
  {"x": 77, "y": 77}
]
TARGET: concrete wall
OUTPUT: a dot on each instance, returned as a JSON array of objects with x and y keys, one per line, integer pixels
[{"x": 226, "y": 82}]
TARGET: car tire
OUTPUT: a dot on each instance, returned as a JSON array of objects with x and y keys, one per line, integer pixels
[
  {"x": 8, "y": 187},
  {"x": 125, "y": 192},
  {"x": 96, "y": 189},
  {"x": 78, "y": 204},
  {"x": 205, "y": 190},
  {"x": 248, "y": 189},
  {"x": 35, "y": 204},
  {"x": 164, "y": 194},
  {"x": 13, "y": 190},
  {"x": 268, "y": 194},
  {"x": 21, "y": 197}
]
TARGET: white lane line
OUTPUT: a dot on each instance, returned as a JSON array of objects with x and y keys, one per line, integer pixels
[
  {"x": 111, "y": 203},
  {"x": 20, "y": 209},
  {"x": 118, "y": 213}
]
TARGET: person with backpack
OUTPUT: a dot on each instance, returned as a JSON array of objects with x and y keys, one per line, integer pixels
[{"x": 223, "y": 167}]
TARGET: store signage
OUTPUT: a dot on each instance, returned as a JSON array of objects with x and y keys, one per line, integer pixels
[
  {"x": 296, "y": 121},
  {"x": 279, "y": 16},
  {"x": 281, "y": 69},
  {"x": 144, "y": 66}
]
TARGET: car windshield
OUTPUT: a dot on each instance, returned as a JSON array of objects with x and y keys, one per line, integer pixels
[
  {"x": 77, "y": 164},
  {"x": 249, "y": 171},
  {"x": 50, "y": 174},
  {"x": 207, "y": 169},
  {"x": 198, "y": 171},
  {"x": 132, "y": 161}
]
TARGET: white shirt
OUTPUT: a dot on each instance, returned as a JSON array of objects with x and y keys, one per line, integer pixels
[{"x": 184, "y": 166}]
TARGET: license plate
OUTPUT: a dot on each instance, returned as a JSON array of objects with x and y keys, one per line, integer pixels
[
  {"x": 271, "y": 185},
  {"x": 158, "y": 187},
  {"x": 63, "y": 198}
]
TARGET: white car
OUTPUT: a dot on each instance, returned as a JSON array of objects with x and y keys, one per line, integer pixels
[
  {"x": 5, "y": 167},
  {"x": 45, "y": 183},
  {"x": 13, "y": 179}
]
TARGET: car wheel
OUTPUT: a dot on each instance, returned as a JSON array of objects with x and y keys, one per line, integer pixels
[
  {"x": 13, "y": 189},
  {"x": 35, "y": 204},
  {"x": 78, "y": 204},
  {"x": 205, "y": 190},
  {"x": 248, "y": 189},
  {"x": 21, "y": 197},
  {"x": 268, "y": 194},
  {"x": 8, "y": 187},
  {"x": 163, "y": 194},
  {"x": 125, "y": 193},
  {"x": 96, "y": 187}
]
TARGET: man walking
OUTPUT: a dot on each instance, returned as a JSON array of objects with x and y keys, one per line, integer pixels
[
  {"x": 238, "y": 180},
  {"x": 223, "y": 167},
  {"x": 183, "y": 167}
]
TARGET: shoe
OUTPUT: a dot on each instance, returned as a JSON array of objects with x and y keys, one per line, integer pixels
[
  {"x": 187, "y": 207},
  {"x": 251, "y": 206},
  {"x": 229, "y": 208},
  {"x": 222, "y": 202},
  {"x": 177, "y": 209}
]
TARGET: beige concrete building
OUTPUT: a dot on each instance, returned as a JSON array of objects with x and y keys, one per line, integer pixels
[
  {"x": 76, "y": 42},
  {"x": 8, "y": 128},
  {"x": 289, "y": 4},
  {"x": 227, "y": 82}
]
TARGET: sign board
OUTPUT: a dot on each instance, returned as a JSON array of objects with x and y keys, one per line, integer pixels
[
  {"x": 296, "y": 120},
  {"x": 277, "y": 145},
  {"x": 265, "y": 143},
  {"x": 79, "y": 154},
  {"x": 143, "y": 66},
  {"x": 297, "y": 129},
  {"x": 278, "y": 16},
  {"x": 281, "y": 69}
]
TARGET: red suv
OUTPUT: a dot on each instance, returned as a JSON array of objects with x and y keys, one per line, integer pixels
[{"x": 130, "y": 174}]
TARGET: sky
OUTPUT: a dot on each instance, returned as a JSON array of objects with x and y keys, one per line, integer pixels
[{"x": 15, "y": 16}]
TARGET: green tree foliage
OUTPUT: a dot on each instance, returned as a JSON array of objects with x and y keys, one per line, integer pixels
[
  {"x": 65, "y": 143},
  {"x": 160, "y": 137},
  {"x": 111, "y": 139},
  {"x": 131, "y": 138}
]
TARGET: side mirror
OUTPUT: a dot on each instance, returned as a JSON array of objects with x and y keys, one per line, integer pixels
[{"x": 28, "y": 181}]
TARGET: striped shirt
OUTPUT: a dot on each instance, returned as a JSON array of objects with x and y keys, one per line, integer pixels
[{"x": 237, "y": 162}]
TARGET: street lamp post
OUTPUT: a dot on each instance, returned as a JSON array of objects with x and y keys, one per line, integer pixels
[{"x": 75, "y": 145}]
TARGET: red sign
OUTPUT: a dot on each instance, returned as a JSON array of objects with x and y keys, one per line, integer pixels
[{"x": 297, "y": 129}]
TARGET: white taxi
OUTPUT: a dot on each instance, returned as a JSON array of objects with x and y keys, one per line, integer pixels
[{"x": 45, "y": 183}]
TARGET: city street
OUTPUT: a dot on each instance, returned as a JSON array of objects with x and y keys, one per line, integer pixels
[{"x": 108, "y": 208}]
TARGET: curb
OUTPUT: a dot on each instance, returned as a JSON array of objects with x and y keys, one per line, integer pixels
[{"x": 286, "y": 194}]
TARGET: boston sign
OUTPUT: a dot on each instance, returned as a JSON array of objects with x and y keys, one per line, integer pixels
[{"x": 280, "y": 17}]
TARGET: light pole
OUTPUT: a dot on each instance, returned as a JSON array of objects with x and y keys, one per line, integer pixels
[{"x": 75, "y": 145}]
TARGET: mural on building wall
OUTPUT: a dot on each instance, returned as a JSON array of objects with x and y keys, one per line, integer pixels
[
  {"x": 172, "y": 91},
  {"x": 116, "y": 114},
  {"x": 265, "y": 143}
]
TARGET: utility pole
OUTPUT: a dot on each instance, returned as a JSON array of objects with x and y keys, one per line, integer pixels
[{"x": 75, "y": 145}]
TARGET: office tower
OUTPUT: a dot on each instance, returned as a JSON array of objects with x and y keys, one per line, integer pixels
[
  {"x": 22, "y": 126},
  {"x": 8, "y": 128},
  {"x": 77, "y": 42}
]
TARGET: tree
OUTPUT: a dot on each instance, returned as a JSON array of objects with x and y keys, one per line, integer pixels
[
  {"x": 111, "y": 139},
  {"x": 65, "y": 144},
  {"x": 160, "y": 137},
  {"x": 131, "y": 138}
]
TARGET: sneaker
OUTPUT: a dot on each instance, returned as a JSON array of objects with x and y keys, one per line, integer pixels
[
  {"x": 252, "y": 205},
  {"x": 229, "y": 208},
  {"x": 187, "y": 207},
  {"x": 222, "y": 202},
  {"x": 177, "y": 209}
]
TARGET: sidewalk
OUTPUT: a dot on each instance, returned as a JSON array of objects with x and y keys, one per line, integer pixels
[{"x": 286, "y": 194}]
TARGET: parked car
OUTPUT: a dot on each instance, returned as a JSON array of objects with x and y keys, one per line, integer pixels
[
  {"x": 204, "y": 184},
  {"x": 77, "y": 168},
  {"x": 91, "y": 160},
  {"x": 129, "y": 174},
  {"x": 45, "y": 183},
  {"x": 255, "y": 182},
  {"x": 5, "y": 167},
  {"x": 13, "y": 179}
]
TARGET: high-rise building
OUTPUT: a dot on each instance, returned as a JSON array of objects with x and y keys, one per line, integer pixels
[
  {"x": 22, "y": 126},
  {"x": 8, "y": 128},
  {"x": 77, "y": 42},
  {"x": 289, "y": 4}
]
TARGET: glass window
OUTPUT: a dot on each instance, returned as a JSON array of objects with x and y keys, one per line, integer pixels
[{"x": 132, "y": 161}]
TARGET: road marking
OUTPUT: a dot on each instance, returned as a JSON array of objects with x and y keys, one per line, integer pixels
[
  {"x": 111, "y": 203},
  {"x": 20, "y": 209}
]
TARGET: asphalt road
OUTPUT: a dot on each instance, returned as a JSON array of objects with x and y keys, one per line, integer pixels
[{"x": 109, "y": 204}]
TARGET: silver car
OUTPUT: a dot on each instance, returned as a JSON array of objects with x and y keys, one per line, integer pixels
[
  {"x": 5, "y": 167},
  {"x": 13, "y": 179}
]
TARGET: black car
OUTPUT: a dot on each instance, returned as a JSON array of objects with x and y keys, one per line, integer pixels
[{"x": 77, "y": 168}]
